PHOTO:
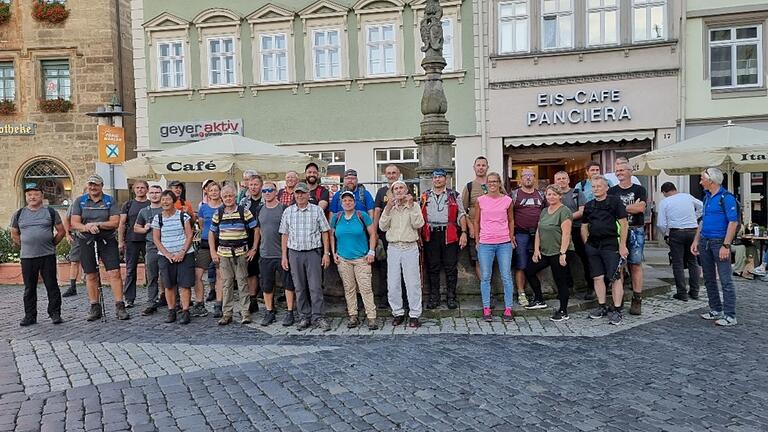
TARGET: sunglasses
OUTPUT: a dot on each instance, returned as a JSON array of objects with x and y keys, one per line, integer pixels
[{"x": 268, "y": 190}]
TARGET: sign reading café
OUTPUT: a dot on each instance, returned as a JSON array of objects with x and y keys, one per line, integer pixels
[{"x": 577, "y": 107}]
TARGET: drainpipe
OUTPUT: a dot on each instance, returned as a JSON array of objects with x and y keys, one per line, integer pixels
[
  {"x": 682, "y": 80},
  {"x": 120, "y": 85},
  {"x": 483, "y": 86}
]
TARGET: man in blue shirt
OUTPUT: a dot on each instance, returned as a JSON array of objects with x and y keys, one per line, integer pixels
[
  {"x": 712, "y": 243},
  {"x": 363, "y": 198}
]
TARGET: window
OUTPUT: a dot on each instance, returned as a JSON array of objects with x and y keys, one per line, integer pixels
[
  {"x": 735, "y": 56},
  {"x": 602, "y": 22},
  {"x": 381, "y": 45},
  {"x": 648, "y": 20},
  {"x": 7, "y": 81},
  {"x": 326, "y": 48},
  {"x": 407, "y": 159},
  {"x": 221, "y": 61},
  {"x": 513, "y": 26},
  {"x": 56, "y": 80},
  {"x": 274, "y": 58},
  {"x": 52, "y": 179},
  {"x": 448, "y": 45},
  {"x": 557, "y": 24},
  {"x": 170, "y": 61},
  {"x": 336, "y": 162}
]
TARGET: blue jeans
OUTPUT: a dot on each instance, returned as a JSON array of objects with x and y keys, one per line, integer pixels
[
  {"x": 709, "y": 254},
  {"x": 485, "y": 256}
]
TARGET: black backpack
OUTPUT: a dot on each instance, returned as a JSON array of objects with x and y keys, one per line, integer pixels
[
  {"x": 160, "y": 219},
  {"x": 51, "y": 212}
]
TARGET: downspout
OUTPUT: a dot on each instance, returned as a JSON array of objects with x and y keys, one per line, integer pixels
[
  {"x": 684, "y": 180},
  {"x": 483, "y": 92},
  {"x": 120, "y": 86}
]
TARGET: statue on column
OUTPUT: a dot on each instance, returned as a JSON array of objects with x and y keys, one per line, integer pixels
[{"x": 431, "y": 27}]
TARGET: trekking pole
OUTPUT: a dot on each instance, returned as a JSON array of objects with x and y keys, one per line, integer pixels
[{"x": 98, "y": 276}]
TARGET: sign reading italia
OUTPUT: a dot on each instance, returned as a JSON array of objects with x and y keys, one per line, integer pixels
[
  {"x": 199, "y": 130},
  {"x": 9, "y": 129}
]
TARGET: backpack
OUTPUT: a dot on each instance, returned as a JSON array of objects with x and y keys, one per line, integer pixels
[
  {"x": 106, "y": 198},
  {"x": 513, "y": 195},
  {"x": 51, "y": 212},
  {"x": 160, "y": 219},
  {"x": 220, "y": 211},
  {"x": 337, "y": 217},
  {"x": 739, "y": 210}
]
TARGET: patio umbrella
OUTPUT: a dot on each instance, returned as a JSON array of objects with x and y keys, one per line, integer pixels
[
  {"x": 221, "y": 157},
  {"x": 730, "y": 148}
]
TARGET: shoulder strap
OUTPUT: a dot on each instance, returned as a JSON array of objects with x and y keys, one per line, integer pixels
[
  {"x": 335, "y": 219},
  {"x": 128, "y": 206},
  {"x": 469, "y": 188},
  {"x": 17, "y": 215},
  {"x": 241, "y": 210},
  {"x": 360, "y": 216},
  {"x": 513, "y": 195},
  {"x": 220, "y": 212},
  {"x": 52, "y": 213},
  {"x": 575, "y": 193},
  {"x": 181, "y": 219}
]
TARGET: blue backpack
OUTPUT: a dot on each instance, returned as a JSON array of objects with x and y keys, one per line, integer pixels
[{"x": 106, "y": 198}]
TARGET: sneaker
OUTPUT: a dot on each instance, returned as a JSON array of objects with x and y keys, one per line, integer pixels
[
  {"x": 288, "y": 319},
  {"x": 372, "y": 324},
  {"x": 599, "y": 312},
  {"x": 245, "y": 318},
  {"x": 398, "y": 320},
  {"x": 559, "y": 316},
  {"x": 681, "y": 296},
  {"x": 184, "y": 317},
  {"x": 537, "y": 304},
  {"x": 615, "y": 317},
  {"x": 27, "y": 321},
  {"x": 149, "y": 310},
  {"x": 694, "y": 295},
  {"x": 199, "y": 310},
  {"x": 269, "y": 318},
  {"x": 487, "y": 315},
  {"x": 322, "y": 324},
  {"x": 171, "y": 316},
  {"x": 353, "y": 322},
  {"x": 636, "y": 306},
  {"x": 56, "y": 319},
  {"x": 254, "y": 305},
  {"x": 71, "y": 291},
  {"x": 120, "y": 311},
  {"x": 522, "y": 299},
  {"x": 726, "y": 321},
  {"x": 128, "y": 304},
  {"x": 712, "y": 315},
  {"x": 225, "y": 320},
  {"x": 95, "y": 312},
  {"x": 414, "y": 323},
  {"x": 758, "y": 271},
  {"x": 304, "y": 324},
  {"x": 217, "y": 313},
  {"x": 211, "y": 295},
  {"x": 507, "y": 315}
]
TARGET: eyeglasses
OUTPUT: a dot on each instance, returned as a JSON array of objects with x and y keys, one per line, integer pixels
[{"x": 268, "y": 190}]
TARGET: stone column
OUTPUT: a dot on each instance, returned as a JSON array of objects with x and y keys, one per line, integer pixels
[{"x": 435, "y": 142}]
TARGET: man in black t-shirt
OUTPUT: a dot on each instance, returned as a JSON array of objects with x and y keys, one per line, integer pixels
[
  {"x": 604, "y": 231},
  {"x": 132, "y": 244},
  {"x": 634, "y": 198},
  {"x": 253, "y": 202}
]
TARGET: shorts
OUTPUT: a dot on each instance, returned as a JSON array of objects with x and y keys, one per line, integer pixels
[
  {"x": 253, "y": 266},
  {"x": 177, "y": 275},
  {"x": 74, "y": 249},
  {"x": 269, "y": 268},
  {"x": 522, "y": 253},
  {"x": 603, "y": 259},
  {"x": 109, "y": 253},
  {"x": 472, "y": 249},
  {"x": 635, "y": 244},
  {"x": 203, "y": 258}
]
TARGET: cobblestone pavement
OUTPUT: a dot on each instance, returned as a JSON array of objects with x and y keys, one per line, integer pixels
[{"x": 666, "y": 370}]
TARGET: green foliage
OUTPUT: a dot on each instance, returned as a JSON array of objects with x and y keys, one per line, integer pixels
[{"x": 9, "y": 253}]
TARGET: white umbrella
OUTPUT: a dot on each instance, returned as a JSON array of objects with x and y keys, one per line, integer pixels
[
  {"x": 220, "y": 157},
  {"x": 731, "y": 148}
]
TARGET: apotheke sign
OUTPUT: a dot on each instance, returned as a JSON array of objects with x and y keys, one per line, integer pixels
[
  {"x": 15, "y": 129},
  {"x": 596, "y": 106},
  {"x": 199, "y": 130}
]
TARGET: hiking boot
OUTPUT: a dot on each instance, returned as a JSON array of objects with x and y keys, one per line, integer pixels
[
  {"x": 681, "y": 296},
  {"x": 128, "y": 304},
  {"x": 184, "y": 317},
  {"x": 323, "y": 324},
  {"x": 432, "y": 303},
  {"x": 522, "y": 299},
  {"x": 559, "y": 316},
  {"x": 171, "y": 316},
  {"x": 712, "y": 315},
  {"x": 254, "y": 306},
  {"x": 120, "y": 311},
  {"x": 635, "y": 307},
  {"x": 56, "y": 319},
  {"x": 149, "y": 310},
  {"x": 599, "y": 312},
  {"x": 245, "y": 318},
  {"x": 95, "y": 312},
  {"x": 211, "y": 295},
  {"x": 487, "y": 315},
  {"x": 414, "y": 323},
  {"x": 726, "y": 321},
  {"x": 615, "y": 317},
  {"x": 288, "y": 319},
  {"x": 693, "y": 294},
  {"x": 217, "y": 313},
  {"x": 398, "y": 320},
  {"x": 27, "y": 321},
  {"x": 353, "y": 322},
  {"x": 304, "y": 324},
  {"x": 225, "y": 320},
  {"x": 452, "y": 303},
  {"x": 199, "y": 310},
  {"x": 71, "y": 291},
  {"x": 372, "y": 324},
  {"x": 269, "y": 318}
]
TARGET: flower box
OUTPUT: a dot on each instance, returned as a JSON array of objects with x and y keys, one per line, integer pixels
[
  {"x": 55, "y": 105},
  {"x": 7, "y": 107},
  {"x": 53, "y": 12},
  {"x": 5, "y": 13}
]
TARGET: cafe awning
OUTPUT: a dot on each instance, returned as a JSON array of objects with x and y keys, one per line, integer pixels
[{"x": 586, "y": 138}]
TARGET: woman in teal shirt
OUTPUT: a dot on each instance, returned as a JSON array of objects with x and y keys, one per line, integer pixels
[{"x": 353, "y": 243}]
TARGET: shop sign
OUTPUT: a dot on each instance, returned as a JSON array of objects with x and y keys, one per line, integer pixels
[
  {"x": 15, "y": 129},
  {"x": 199, "y": 130},
  {"x": 199, "y": 166},
  {"x": 581, "y": 106},
  {"x": 111, "y": 144}
]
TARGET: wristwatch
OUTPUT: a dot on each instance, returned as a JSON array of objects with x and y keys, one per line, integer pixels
[{"x": 727, "y": 245}]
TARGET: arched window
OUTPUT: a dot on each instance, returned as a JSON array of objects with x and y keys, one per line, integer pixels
[{"x": 52, "y": 179}]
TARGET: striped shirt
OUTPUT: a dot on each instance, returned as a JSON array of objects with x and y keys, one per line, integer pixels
[
  {"x": 172, "y": 234},
  {"x": 304, "y": 227},
  {"x": 232, "y": 239}
]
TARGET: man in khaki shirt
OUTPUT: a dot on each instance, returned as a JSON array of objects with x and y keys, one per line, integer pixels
[{"x": 401, "y": 220}]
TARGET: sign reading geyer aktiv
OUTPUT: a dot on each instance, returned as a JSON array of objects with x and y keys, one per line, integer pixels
[{"x": 185, "y": 131}]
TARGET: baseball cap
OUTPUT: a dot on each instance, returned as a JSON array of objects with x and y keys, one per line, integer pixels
[
  {"x": 301, "y": 187},
  {"x": 439, "y": 173},
  {"x": 174, "y": 183},
  {"x": 348, "y": 193},
  {"x": 350, "y": 172},
  {"x": 32, "y": 186},
  {"x": 96, "y": 179}
]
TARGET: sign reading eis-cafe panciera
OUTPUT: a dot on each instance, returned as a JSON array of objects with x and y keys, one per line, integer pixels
[
  {"x": 581, "y": 106},
  {"x": 185, "y": 131}
]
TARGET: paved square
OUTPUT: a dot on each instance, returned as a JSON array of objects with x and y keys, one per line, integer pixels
[{"x": 666, "y": 370}]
